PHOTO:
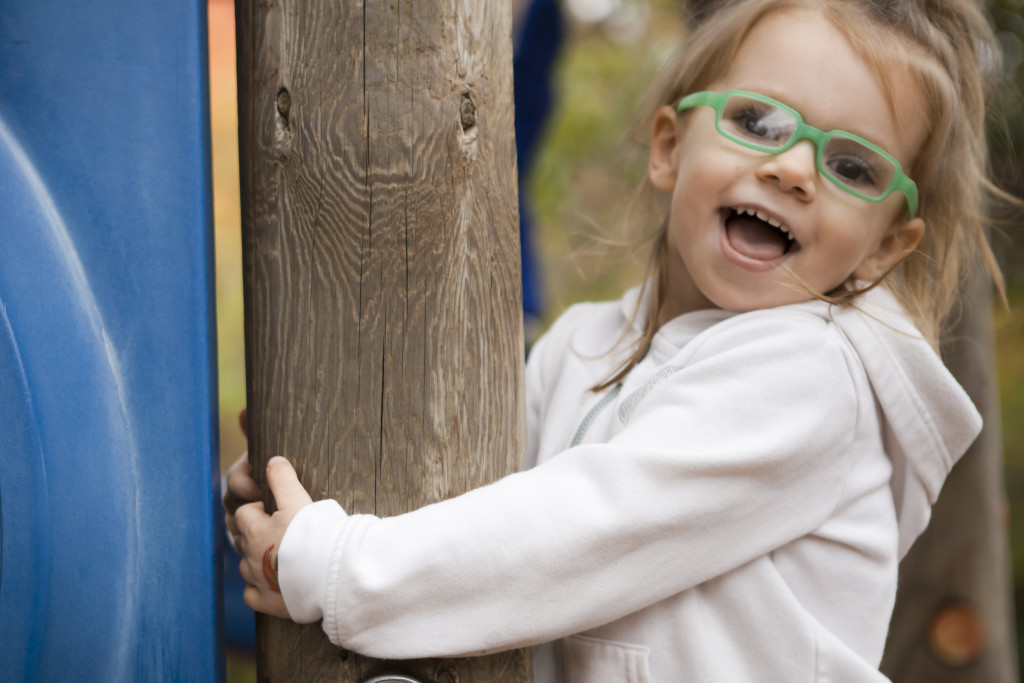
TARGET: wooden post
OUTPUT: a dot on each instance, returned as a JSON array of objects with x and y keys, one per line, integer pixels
[
  {"x": 384, "y": 340},
  {"x": 954, "y": 617}
]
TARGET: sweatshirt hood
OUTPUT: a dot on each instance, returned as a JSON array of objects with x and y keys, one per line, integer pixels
[{"x": 928, "y": 419}]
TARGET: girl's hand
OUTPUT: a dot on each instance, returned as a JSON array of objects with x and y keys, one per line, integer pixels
[
  {"x": 241, "y": 488},
  {"x": 260, "y": 534}
]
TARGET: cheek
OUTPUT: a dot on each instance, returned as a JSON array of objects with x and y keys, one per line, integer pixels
[
  {"x": 703, "y": 173},
  {"x": 851, "y": 242}
]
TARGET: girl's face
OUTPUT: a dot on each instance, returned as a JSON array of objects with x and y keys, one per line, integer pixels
[{"x": 720, "y": 254}]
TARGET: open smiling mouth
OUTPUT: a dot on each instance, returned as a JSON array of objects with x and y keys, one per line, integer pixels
[{"x": 754, "y": 235}]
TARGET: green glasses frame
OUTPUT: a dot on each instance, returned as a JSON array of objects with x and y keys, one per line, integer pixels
[{"x": 899, "y": 183}]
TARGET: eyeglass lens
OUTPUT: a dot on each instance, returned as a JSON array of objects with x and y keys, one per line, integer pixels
[{"x": 846, "y": 161}]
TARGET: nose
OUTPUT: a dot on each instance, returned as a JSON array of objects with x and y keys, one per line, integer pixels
[{"x": 795, "y": 170}]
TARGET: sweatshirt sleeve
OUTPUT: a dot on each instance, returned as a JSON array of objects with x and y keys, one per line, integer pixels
[
  {"x": 304, "y": 558},
  {"x": 741, "y": 450},
  {"x": 535, "y": 398}
]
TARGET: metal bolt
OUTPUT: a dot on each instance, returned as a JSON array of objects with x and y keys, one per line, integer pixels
[{"x": 448, "y": 676}]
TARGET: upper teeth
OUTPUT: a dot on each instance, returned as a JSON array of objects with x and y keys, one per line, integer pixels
[{"x": 750, "y": 211}]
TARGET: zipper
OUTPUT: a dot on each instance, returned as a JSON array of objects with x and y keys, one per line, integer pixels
[{"x": 592, "y": 414}]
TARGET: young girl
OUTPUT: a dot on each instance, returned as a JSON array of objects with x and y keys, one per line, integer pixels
[{"x": 725, "y": 467}]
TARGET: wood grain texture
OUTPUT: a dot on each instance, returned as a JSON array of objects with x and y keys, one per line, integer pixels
[{"x": 381, "y": 270}]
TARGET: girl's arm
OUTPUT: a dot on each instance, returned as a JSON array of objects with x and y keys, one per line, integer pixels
[{"x": 739, "y": 452}]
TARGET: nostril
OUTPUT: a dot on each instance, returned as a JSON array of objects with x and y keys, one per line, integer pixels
[{"x": 794, "y": 173}]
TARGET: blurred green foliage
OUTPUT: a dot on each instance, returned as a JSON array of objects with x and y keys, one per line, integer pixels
[{"x": 592, "y": 161}]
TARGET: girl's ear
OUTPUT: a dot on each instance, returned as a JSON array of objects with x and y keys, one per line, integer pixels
[
  {"x": 662, "y": 165},
  {"x": 899, "y": 240}
]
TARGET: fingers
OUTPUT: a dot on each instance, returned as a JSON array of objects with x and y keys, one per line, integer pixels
[
  {"x": 243, "y": 420},
  {"x": 232, "y": 526},
  {"x": 259, "y": 601},
  {"x": 251, "y": 597},
  {"x": 266, "y": 575},
  {"x": 259, "y": 596},
  {"x": 289, "y": 494},
  {"x": 241, "y": 488},
  {"x": 258, "y": 535},
  {"x": 242, "y": 463},
  {"x": 245, "y": 525},
  {"x": 245, "y": 569},
  {"x": 247, "y": 516},
  {"x": 239, "y": 542}
]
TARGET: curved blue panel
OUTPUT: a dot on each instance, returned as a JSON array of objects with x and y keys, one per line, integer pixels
[
  {"x": 22, "y": 489},
  {"x": 68, "y": 411},
  {"x": 109, "y": 514}
]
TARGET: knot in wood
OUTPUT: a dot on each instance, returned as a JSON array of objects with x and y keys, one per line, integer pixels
[
  {"x": 467, "y": 112},
  {"x": 284, "y": 103},
  {"x": 957, "y": 634}
]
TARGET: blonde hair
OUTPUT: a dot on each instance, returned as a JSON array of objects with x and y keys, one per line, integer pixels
[{"x": 947, "y": 48}]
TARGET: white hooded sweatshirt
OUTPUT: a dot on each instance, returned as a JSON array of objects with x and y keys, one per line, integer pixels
[{"x": 734, "y": 510}]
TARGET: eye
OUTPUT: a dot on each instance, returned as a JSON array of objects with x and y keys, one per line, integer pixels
[
  {"x": 853, "y": 170},
  {"x": 857, "y": 165},
  {"x": 762, "y": 123}
]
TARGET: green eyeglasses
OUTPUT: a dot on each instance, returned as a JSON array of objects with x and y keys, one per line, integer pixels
[{"x": 850, "y": 162}]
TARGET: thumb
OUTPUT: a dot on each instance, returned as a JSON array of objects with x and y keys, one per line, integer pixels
[{"x": 284, "y": 484}]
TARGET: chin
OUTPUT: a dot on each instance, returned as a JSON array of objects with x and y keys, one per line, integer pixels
[{"x": 745, "y": 303}]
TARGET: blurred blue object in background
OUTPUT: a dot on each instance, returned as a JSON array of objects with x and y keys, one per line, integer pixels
[
  {"x": 109, "y": 481},
  {"x": 239, "y": 620},
  {"x": 538, "y": 42}
]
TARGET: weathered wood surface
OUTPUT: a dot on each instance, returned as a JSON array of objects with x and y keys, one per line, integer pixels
[
  {"x": 380, "y": 249},
  {"x": 954, "y": 617}
]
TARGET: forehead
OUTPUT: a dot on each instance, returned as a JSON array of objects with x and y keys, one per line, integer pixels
[{"x": 801, "y": 58}]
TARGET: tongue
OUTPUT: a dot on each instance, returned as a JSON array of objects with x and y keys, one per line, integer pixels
[{"x": 755, "y": 239}]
